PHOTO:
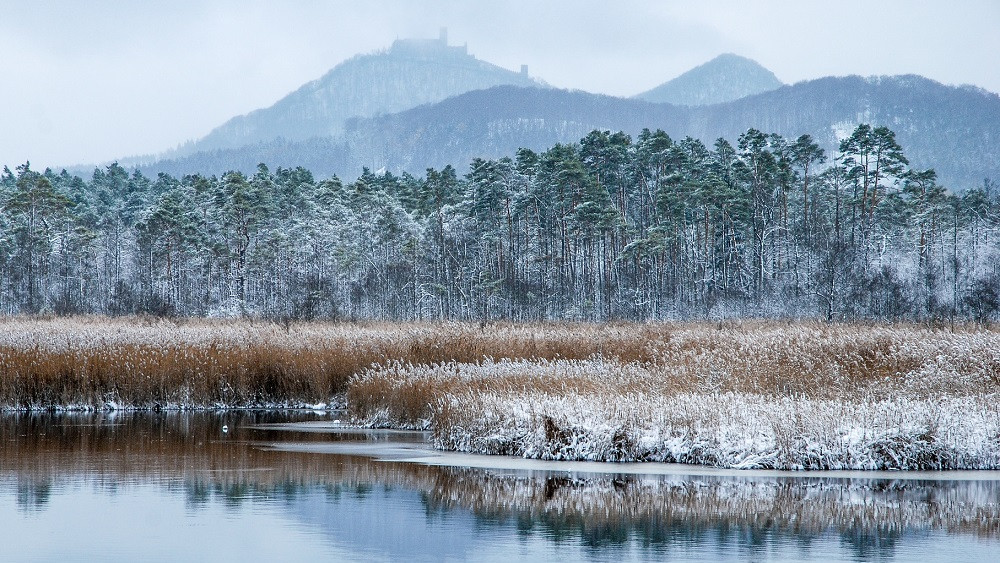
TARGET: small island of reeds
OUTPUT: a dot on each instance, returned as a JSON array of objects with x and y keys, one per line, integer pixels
[{"x": 742, "y": 394}]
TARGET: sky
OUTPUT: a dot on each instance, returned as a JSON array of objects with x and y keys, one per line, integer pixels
[{"x": 89, "y": 82}]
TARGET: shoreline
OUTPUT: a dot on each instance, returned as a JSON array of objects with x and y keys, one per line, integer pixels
[
  {"x": 747, "y": 395},
  {"x": 420, "y": 453},
  {"x": 172, "y": 408}
]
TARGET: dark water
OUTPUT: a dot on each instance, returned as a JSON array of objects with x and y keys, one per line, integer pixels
[{"x": 176, "y": 487}]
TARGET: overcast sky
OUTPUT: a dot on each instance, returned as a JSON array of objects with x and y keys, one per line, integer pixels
[{"x": 86, "y": 82}]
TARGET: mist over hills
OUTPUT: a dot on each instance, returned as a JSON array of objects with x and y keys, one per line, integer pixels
[
  {"x": 594, "y": 231},
  {"x": 409, "y": 73},
  {"x": 951, "y": 129},
  {"x": 725, "y": 78},
  {"x": 423, "y": 103}
]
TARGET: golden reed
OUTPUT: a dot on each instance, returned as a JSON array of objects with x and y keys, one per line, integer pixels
[{"x": 97, "y": 362}]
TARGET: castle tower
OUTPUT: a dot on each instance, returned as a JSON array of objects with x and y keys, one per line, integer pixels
[{"x": 444, "y": 36}]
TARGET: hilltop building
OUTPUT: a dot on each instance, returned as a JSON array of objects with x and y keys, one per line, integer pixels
[{"x": 426, "y": 48}]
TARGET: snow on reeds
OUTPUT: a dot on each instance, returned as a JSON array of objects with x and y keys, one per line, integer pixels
[
  {"x": 751, "y": 395},
  {"x": 746, "y": 394},
  {"x": 92, "y": 362}
]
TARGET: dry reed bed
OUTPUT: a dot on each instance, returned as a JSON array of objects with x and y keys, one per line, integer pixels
[
  {"x": 751, "y": 395},
  {"x": 90, "y": 362},
  {"x": 746, "y": 394}
]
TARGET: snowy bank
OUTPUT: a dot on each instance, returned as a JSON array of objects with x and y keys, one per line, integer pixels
[{"x": 788, "y": 397}]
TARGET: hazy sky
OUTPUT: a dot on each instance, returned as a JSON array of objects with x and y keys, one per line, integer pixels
[{"x": 86, "y": 82}]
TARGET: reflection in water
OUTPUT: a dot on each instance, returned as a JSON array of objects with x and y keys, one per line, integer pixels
[{"x": 368, "y": 508}]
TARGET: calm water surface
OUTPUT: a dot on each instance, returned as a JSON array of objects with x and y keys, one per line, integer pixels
[{"x": 278, "y": 485}]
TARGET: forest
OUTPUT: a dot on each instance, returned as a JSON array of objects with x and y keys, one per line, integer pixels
[{"x": 610, "y": 228}]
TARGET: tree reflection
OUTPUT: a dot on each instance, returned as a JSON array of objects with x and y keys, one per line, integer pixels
[
  {"x": 33, "y": 496},
  {"x": 870, "y": 518}
]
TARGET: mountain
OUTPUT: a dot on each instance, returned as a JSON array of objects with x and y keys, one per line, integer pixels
[
  {"x": 951, "y": 129},
  {"x": 725, "y": 78},
  {"x": 497, "y": 122},
  {"x": 410, "y": 73},
  {"x": 485, "y": 123}
]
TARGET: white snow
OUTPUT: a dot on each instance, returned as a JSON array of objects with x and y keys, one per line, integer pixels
[{"x": 887, "y": 399}]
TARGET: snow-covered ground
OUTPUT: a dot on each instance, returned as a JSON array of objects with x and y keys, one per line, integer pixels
[
  {"x": 736, "y": 430},
  {"x": 776, "y": 397}
]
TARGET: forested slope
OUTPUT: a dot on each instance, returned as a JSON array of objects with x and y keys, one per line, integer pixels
[
  {"x": 410, "y": 73},
  {"x": 723, "y": 79},
  {"x": 951, "y": 129},
  {"x": 610, "y": 227}
]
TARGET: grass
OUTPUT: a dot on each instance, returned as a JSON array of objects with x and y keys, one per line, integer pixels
[
  {"x": 94, "y": 362},
  {"x": 753, "y": 394},
  {"x": 749, "y": 395}
]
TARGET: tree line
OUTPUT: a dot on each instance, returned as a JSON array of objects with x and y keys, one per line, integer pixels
[{"x": 612, "y": 227}]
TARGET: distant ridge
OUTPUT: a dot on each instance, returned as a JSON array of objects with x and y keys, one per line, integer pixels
[
  {"x": 725, "y": 78},
  {"x": 423, "y": 103},
  {"x": 410, "y": 73},
  {"x": 951, "y": 129}
]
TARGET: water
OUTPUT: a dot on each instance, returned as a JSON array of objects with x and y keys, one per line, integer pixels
[{"x": 278, "y": 485}]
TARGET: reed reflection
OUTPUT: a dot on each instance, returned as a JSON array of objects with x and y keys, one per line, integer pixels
[{"x": 42, "y": 456}]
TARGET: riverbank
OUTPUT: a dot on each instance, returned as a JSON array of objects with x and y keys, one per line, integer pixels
[
  {"x": 283, "y": 459},
  {"x": 751, "y": 395}
]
